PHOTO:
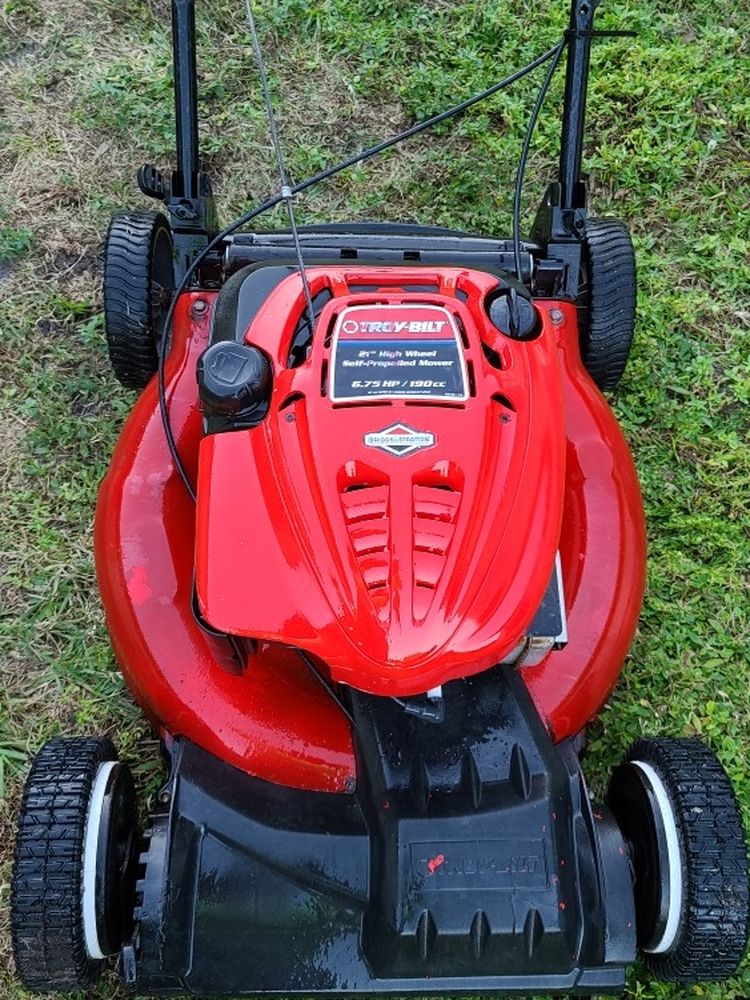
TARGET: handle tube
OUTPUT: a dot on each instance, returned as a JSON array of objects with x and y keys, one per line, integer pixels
[
  {"x": 185, "y": 95},
  {"x": 574, "y": 111}
]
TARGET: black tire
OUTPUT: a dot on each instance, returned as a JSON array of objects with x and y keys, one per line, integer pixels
[
  {"x": 708, "y": 941},
  {"x": 606, "y": 301},
  {"x": 138, "y": 286},
  {"x": 46, "y": 897}
]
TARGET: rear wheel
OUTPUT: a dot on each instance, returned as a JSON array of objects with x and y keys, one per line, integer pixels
[
  {"x": 73, "y": 880},
  {"x": 138, "y": 286},
  {"x": 606, "y": 300},
  {"x": 677, "y": 810}
]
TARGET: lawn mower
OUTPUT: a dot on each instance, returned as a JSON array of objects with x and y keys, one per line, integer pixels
[{"x": 371, "y": 550}]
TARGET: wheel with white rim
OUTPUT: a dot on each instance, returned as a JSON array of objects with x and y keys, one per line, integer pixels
[
  {"x": 73, "y": 881},
  {"x": 678, "y": 813}
]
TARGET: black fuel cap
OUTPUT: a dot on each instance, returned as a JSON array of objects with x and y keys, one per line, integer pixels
[
  {"x": 514, "y": 314},
  {"x": 233, "y": 379}
]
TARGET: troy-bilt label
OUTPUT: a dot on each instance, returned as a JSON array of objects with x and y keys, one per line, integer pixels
[
  {"x": 399, "y": 439},
  {"x": 397, "y": 352},
  {"x": 493, "y": 864}
]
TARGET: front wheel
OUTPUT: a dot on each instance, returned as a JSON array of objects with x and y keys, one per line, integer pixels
[
  {"x": 73, "y": 883},
  {"x": 606, "y": 300},
  {"x": 678, "y": 813}
]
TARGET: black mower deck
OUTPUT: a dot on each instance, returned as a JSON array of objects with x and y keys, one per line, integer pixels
[{"x": 468, "y": 846}]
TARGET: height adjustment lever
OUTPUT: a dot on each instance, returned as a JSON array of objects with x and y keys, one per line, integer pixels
[{"x": 153, "y": 183}]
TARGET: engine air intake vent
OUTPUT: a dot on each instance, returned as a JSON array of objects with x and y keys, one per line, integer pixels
[
  {"x": 368, "y": 521},
  {"x": 434, "y": 515}
]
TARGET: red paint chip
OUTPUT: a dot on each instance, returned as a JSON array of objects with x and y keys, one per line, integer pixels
[{"x": 434, "y": 863}]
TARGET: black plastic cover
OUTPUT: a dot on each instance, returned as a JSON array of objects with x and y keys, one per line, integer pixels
[
  {"x": 380, "y": 243},
  {"x": 468, "y": 860}
]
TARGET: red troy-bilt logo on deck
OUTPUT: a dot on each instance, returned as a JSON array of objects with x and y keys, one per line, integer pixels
[
  {"x": 397, "y": 352},
  {"x": 468, "y": 865}
]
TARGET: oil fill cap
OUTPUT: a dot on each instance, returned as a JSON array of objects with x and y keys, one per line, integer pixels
[{"x": 233, "y": 379}]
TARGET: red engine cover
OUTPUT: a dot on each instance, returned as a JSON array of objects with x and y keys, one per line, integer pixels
[{"x": 398, "y": 511}]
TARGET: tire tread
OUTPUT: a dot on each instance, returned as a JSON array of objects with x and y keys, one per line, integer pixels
[
  {"x": 45, "y": 895},
  {"x": 128, "y": 268},
  {"x": 607, "y": 308},
  {"x": 713, "y": 934}
]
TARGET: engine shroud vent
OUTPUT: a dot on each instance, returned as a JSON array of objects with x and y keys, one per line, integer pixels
[
  {"x": 435, "y": 509},
  {"x": 366, "y": 513}
]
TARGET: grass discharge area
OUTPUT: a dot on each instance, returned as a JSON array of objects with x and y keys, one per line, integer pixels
[{"x": 86, "y": 100}]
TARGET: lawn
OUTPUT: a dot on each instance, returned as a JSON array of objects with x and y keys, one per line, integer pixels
[{"x": 86, "y": 99}]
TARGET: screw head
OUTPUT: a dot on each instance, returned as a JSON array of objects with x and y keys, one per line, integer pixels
[{"x": 557, "y": 316}]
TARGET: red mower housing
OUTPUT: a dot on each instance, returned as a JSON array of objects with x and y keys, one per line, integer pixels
[{"x": 402, "y": 536}]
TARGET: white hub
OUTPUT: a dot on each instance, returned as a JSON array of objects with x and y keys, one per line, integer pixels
[
  {"x": 673, "y": 859},
  {"x": 90, "y": 853}
]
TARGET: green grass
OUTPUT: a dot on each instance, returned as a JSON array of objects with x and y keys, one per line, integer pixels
[{"x": 86, "y": 99}]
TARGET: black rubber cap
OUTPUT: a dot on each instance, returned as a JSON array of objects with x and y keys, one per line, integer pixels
[
  {"x": 514, "y": 315},
  {"x": 233, "y": 378}
]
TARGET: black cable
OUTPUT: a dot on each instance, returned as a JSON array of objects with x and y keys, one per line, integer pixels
[
  {"x": 521, "y": 170},
  {"x": 286, "y": 190},
  {"x": 428, "y": 123},
  {"x": 270, "y": 203},
  {"x": 426, "y": 712}
]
